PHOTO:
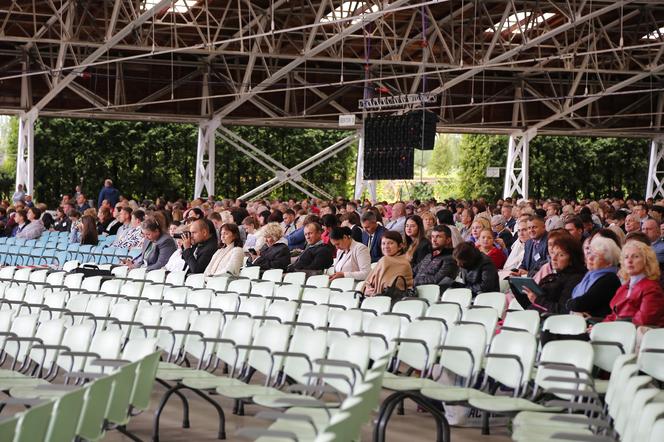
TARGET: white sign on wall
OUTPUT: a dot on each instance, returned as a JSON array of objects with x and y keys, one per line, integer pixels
[
  {"x": 346, "y": 120},
  {"x": 493, "y": 172}
]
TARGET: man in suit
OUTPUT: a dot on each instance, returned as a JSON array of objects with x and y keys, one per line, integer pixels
[
  {"x": 536, "y": 252},
  {"x": 199, "y": 246},
  {"x": 372, "y": 235},
  {"x": 317, "y": 255},
  {"x": 157, "y": 247}
]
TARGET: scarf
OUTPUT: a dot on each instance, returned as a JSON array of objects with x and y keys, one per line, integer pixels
[{"x": 589, "y": 279}]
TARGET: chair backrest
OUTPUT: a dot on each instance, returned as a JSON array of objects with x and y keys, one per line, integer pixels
[
  {"x": 509, "y": 372},
  {"x": 175, "y": 320},
  {"x": 570, "y": 353},
  {"x": 376, "y": 305},
  {"x": 148, "y": 315},
  {"x": 565, "y": 324},
  {"x": 33, "y": 424},
  {"x": 320, "y": 281},
  {"x": 386, "y": 326},
  {"x": 65, "y": 416},
  {"x": 176, "y": 278},
  {"x": 91, "y": 283},
  {"x": 344, "y": 300},
  {"x": 227, "y": 302},
  {"x": 651, "y": 353},
  {"x": 107, "y": 345},
  {"x": 611, "y": 339},
  {"x": 447, "y": 312},
  {"x": 354, "y": 350},
  {"x": 272, "y": 336},
  {"x": 347, "y": 323},
  {"x": 315, "y": 315},
  {"x": 22, "y": 326},
  {"x": 209, "y": 325},
  {"x": 642, "y": 416},
  {"x": 200, "y": 298},
  {"x": 51, "y": 333},
  {"x": 343, "y": 284},
  {"x": 142, "y": 392},
  {"x": 460, "y": 296},
  {"x": 420, "y": 355},
  {"x": 283, "y": 311},
  {"x": 253, "y": 306},
  {"x": 319, "y": 295},
  {"x": 253, "y": 272},
  {"x": 651, "y": 414},
  {"x": 494, "y": 300},
  {"x": 76, "y": 338},
  {"x": 273, "y": 275},
  {"x": 157, "y": 276},
  {"x": 111, "y": 286},
  {"x": 195, "y": 280},
  {"x": 239, "y": 286},
  {"x": 306, "y": 342},
  {"x": 291, "y": 292},
  {"x": 217, "y": 283},
  {"x": 463, "y": 350},
  {"x": 488, "y": 317},
  {"x": 264, "y": 289},
  {"x": 177, "y": 295},
  {"x": 430, "y": 292},
  {"x": 119, "y": 400},
  {"x": 296, "y": 278},
  {"x": 239, "y": 331},
  {"x": 523, "y": 320},
  {"x": 153, "y": 292}
]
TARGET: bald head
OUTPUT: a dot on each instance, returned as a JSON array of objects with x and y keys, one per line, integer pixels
[
  {"x": 652, "y": 230},
  {"x": 398, "y": 210}
]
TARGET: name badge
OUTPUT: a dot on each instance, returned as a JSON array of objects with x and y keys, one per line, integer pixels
[{"x": 537, "y": 257}]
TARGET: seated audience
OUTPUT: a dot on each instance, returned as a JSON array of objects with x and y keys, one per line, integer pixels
[
  {"x": 652, "y": 230},
  {"x": 157, "y": 247},
  {"x": 501, "y": 232},
  {"x": 352, "y": 221},
  {"x": 641, "y": 299},
  {"x": 317, "y": 256},
  {"x": 417, "y": 244},
  {"x": 372, "y": 235},
  {"x": 198, "y": 246},
  {"x": 328, "y": 222},
  {"x": 438, "y": 267},
  {"x": 353, "y": 259},
  {"x": 275, "y": 253},
  {"x": 249, "y": 224},
  {"x": 74, "y": 220},
  {"x": 393, "y": 269},
  {"x": 107, "y": 224},
  {"x": 34, "y": 228},
  {"x": 486, "y": 245},
  {"x": 87, "y": 228},
  {"x": 536, "y": 253},
  {"x": 518, "y": 248},
  {"x": 131, "y": 237},
  {"x": 592, "y": 295},
  {"x": 21, "y": 221},
  {"x": 477, "y": 271},
  {"x": 445, "y": 218},
  {"x": 228, "y": 259},
  {"x": 568, "y": 270}
]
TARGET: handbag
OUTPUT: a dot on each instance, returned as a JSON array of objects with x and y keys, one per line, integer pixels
[{"x": 395, "y": 293}]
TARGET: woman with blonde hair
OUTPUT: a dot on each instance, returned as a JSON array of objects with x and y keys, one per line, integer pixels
[
  {"x": 429, "y": 222},
  {"x": 275, "y": 253},
  {"x": 641, "y": 299}
]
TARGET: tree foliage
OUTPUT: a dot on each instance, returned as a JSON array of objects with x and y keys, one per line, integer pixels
[
  {"x": 147, "y": 160},
  {"x": 559, "y": 166}
]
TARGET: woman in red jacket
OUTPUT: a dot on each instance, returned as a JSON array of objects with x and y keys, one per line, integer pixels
[{"x": 641, "y": 299}]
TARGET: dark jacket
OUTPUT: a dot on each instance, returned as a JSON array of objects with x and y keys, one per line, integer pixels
[
  {"x": 318, "y": 257},
  {"x": 111, "y": 194},
  {"x": 198, "y": 257},
  {"x": 482, "y": 278},
  {"x": 356, "y": 233},
  {"x": 62, "y": 226},
  {"x": 275, "y": 257},
  {"x": 508, "y": 239},
  {"x": 596, "y": 300},
  {"x": 440, "y": 269},
  {"x": 423, "y": 249},
  {"x": 530, "y": 262},
  {"x": 375, "y": 250},
  {"x": 164, "y": 248},
  {"x": 557, "y": 288}
]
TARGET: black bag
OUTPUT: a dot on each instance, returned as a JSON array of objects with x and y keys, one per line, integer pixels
[
  {"x": 89, "y": 270},
  {"x": 395, "y": 293}
]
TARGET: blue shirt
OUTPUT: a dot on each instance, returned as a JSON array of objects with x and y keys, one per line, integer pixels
[{"x": 658, "y": 247}]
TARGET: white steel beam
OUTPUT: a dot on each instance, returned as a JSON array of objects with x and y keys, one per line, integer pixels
[
  {"x": 205, "y": 158},
  {"x": 353, "y": 27},
  {"x": 359, "y": 166},
  {"x": 516, "y": 170},
  {"x": 534, "y": 42}
]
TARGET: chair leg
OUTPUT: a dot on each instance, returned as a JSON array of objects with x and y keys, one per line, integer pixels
[
  {"x": 386, "y": 409},
  {"x": 222, "y": 418},
  {"x": 129, "y": 434},
  {"x": 183, "y": 399},
  {"x": 442, "y": 426},
  {"x": 160, "y": 408}
]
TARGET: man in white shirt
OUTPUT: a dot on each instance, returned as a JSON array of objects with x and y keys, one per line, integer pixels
[{"x": 398, "y": 223}]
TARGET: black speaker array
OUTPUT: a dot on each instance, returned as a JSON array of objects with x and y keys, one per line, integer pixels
[{"x": 389, "y": 143}]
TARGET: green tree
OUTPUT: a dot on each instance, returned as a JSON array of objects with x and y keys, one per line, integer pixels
[{"x": 446, "y": 154}]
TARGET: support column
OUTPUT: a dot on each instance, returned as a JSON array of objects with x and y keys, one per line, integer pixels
[
  {"x": 205, "y": 155},
  {"x": 655, "y": 169},
  {"x": 516, "y": 170},
  {"x": 25, "y": 154},
  {"x": 360, "y": 183}
]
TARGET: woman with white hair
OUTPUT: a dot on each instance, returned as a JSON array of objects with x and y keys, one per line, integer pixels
[
  {"x": 592, "y": 295},
  {"x": 275, "y": 253}
]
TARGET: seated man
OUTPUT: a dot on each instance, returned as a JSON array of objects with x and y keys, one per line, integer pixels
[
  {"x": 438, "y": 267},
  {"x": 317, "y": 256},
  {"x": 296, "y": 239},
  {"x": 199, "y": 246},
  {"x": 372, "y": 235}
]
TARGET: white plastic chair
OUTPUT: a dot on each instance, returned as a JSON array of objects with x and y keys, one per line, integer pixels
[
  {"x": 343, "y": 284},
  {"x": 274, "y": 275},
  {"x": 320, "y": 281},
  {"x": 611, "y": 339},
  {"x": 525, "y": 320},
  {"x": 430, "y": 292},
  {"x": 297, "y": 278},
  {"x": 252, "y": 272},
  {"x": 494, "y": 300},
  {"x": 565, "y": 324}
]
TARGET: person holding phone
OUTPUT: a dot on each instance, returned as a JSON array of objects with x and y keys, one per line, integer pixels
[
  {"x": 275, "y": 253},
  {"x": 157, "y": 247}
]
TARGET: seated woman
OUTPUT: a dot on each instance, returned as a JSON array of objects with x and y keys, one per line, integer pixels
[
  {"x": 228, "y": 259},
  {"x": 35, "y": 226},
  {"x": 353, "y": 259},
  {"x": 518, "y": 249},
  {"x": 566, "y": 257},
  {"x": 392, "y": 269},
  {"x": 486, "y": 245},
  {"x": 477, "y": 271},
  {"x": 274, "y": 254},
  {"x": 417, "y": 244},
  {"x": 641, "y": 299},
  {"x": 592, "y": 295},
  {"x": 87, "y": 228}
]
